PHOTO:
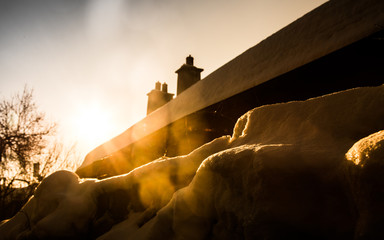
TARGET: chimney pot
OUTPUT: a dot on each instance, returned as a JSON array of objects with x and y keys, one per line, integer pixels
[
  {"x": 190, "y": 60},
  {"x": 158, "y": 85},
  {"x": 164, "y": 88}
]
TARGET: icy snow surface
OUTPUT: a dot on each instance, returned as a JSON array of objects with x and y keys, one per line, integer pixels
[{"x": 311, "y": 169}]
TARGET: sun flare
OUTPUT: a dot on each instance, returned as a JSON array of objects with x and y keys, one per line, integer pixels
[{"x": 92, "y": 125}]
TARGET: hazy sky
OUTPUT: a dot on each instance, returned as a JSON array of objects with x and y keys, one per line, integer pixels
[{"x": 91, "y": 63}]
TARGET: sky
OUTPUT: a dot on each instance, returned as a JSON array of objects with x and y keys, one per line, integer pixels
[{"x": 91, "y": 63}]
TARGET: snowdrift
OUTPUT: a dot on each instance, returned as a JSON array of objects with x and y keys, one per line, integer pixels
[{"x": 311, "y": 169}]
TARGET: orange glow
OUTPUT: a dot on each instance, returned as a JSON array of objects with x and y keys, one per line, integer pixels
[{"x": 92, "y": 125}]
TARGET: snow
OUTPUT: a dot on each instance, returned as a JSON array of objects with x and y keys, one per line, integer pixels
[
  {"x": 305, "y": 169},
  {"x": 330, "y": 27}
]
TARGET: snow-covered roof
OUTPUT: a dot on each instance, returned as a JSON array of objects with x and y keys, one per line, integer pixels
[{"x": 324, "y": 30}]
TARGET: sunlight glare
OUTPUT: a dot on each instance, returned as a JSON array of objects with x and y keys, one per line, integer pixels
[{"x": 93, "y": 126}]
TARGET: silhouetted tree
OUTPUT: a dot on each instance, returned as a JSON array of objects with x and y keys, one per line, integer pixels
[{"x": 27, "y": 154}]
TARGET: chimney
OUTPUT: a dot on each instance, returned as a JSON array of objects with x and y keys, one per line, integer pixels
[
  {"x": 189, "y": 60},
  {"x": 164, "y": 88},
  {"x": 158, "y": 97},
  {"x": 187, "y": 75},
  {"x": 36, "y": 170},
  {"x": 158, "y": 85}
]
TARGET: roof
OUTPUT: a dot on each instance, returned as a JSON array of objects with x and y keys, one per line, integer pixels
[{"x": 324, "y": 30}]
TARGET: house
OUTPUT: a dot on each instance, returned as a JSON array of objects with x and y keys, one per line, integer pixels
[{"x": 337, "y": 46}]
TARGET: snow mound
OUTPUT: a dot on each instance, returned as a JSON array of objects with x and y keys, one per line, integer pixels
[{"x": 311, "y": 169}]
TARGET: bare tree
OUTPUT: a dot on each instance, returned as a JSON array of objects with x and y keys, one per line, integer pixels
[
  {"x": 28, "y": 151},
  {"x": 22, "y": 131}
]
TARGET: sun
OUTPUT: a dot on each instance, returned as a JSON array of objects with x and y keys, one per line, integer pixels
[{"x": 92, "y": 125}]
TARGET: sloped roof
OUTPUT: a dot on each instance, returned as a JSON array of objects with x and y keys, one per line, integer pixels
[{"x": 326, "y": 29}]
